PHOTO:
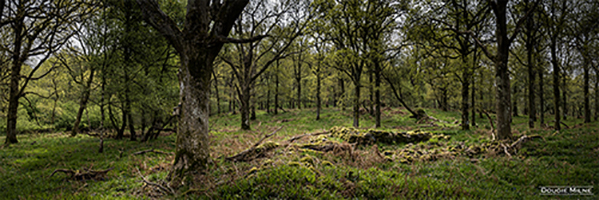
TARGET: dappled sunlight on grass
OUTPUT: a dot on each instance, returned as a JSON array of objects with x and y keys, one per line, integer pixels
[{"x": 378, "y": 171}]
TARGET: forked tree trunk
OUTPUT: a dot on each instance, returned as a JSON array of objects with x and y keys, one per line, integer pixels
[
  {"x": 14, "y": 93},
  {"x": 198, "y": 45},
  {"x": 83, "y": 103}
]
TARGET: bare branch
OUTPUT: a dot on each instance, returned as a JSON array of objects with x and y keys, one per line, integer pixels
[
  {"x": 162, "y": 23},
  {"x": 238, "y": 41}
]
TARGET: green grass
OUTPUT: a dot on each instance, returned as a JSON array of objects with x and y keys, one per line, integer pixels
[{"x": 566, "y": 158}]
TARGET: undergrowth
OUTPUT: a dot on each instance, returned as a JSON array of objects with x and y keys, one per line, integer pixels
[{"x": 564, "y": 158}]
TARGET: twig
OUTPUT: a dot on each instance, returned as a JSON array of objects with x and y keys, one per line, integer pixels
[
  {"x": 491, "y": 122},
  {"x": 505, "y": 150},
  {"x": 378, "y": 153},
  {"x": 522, "y": 139},
  {"x": 568, "y": 127},
  {"x": 165, "y": 189},
  {"x": 241, "y": 156},
  {"x": 266, "y": 136},
  {"x": 150, "y": 150}
]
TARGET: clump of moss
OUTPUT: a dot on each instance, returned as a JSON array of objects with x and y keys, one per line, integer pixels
[
  {"x": 268, "y": 146},
  {"x": 327, "y": 163},
  {"x": 308, "y": 160},
  {"x": 294, "y": 164},
  {"x": 353, "y": 135},
  {"x": 344, "y": 133},
  {"x": 253, "y": 170}
]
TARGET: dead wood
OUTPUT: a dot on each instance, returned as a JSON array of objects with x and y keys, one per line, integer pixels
[
  {"x": 522, "y": 139},
  {"x": 85, "y": 174},
  {"x": 297, "y": 137},
  {"x": 568, "y": 127},
  {"x": 167, "y": 190},
  {"x": 150, "y": 151},
  {"x": 491, "y": 122},
  {"x": 253, "y": 153}
]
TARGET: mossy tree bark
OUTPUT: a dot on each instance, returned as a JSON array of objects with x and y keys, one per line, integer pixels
[
  {"x": 500, "y": 59},
  {"x": 206, "y": 28},
  {"x": 502, "y": 79}
]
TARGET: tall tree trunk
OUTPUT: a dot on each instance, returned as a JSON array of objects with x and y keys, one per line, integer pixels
[
  {"x": 473, "y": 101},
  {"x": 121, "y": 131},
  {"x": 341, "y": 94},
  {"x": 83, "y": 102},
  {"x": 587, "y": 109},
  {"x": 133, "y": 136},
  {"x": 371, "y": 95},
  {"x": 244, "y": 98},
  {"x": 356, "y": 104},
  {"x": 377, "y": 93},
  {"x": 565, "y": 110},
  {"x": 268, "y": 99},
  {"x": 444, "y": 106},
  {"x": 465, "y": 94},
  {"x": 556, "y": 83},
  {"x": 15, "y": 76},
  {"x": 530, "y": 31},
  {"x": 502, "y": 79},
  {"x": 216, "y": 94},
  {"x": 596, "y": 95},
  {"x": 192, "y": 150},
  {"x": 253, "y": 108},
  {"x": 276, "y": 111},
  {"x": 541, "y": 98},
  {"x": 515, "y": 104},
  {"x": 15, "y": 95},
  {"x": 532, "y": 113},
  {"x": 318, "y": 99},
  {"x": 299, "y": 93}
]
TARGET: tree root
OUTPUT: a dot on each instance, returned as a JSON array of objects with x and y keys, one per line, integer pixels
[{"x": 84, "y": 175}]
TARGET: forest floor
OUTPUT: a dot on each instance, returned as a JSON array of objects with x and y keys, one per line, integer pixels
[{"x": 452, "y": 164}]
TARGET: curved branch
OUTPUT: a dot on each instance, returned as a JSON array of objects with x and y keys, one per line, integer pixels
[{"x": 162, "y": 23}]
